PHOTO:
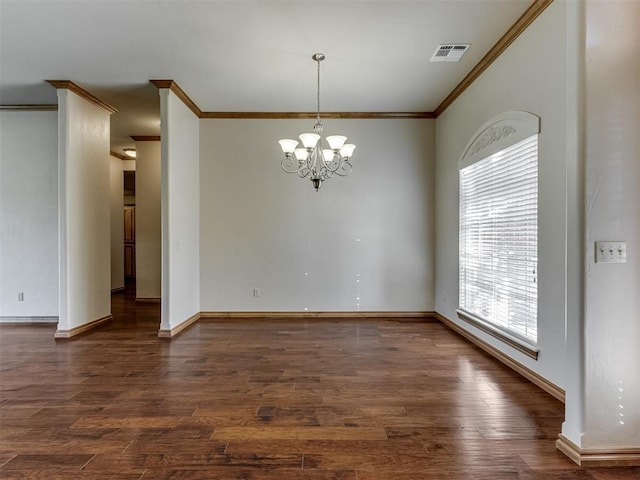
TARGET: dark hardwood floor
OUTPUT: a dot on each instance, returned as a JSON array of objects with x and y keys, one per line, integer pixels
[{"x": 340, "y": 400}]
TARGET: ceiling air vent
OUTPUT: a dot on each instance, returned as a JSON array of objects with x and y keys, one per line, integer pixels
[{"x": 450, "y": 52}]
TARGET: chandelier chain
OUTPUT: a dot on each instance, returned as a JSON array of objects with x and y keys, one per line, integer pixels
[{"x": 318, "y": 96}]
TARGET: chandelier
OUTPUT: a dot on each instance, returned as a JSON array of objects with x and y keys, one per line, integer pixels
[{"x": 313, "y": 161}]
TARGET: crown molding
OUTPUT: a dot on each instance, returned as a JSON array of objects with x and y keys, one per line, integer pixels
[
  {"x": 180, "y": 93},
  {"x": 119, "y": 155},
  {"x": 534, "y": 10},
  {"x": 78, "y": 90},
  {"x": 145, "y": 138},
  {"x": 30, "y": 108},
  {"x": 175, "y": 88},
  {"x": 307, "y": 115}
]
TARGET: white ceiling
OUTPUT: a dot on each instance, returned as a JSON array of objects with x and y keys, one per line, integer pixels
[{"x": 237, "y": 55}]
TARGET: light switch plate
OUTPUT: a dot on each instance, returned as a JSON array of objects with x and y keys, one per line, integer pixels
[{"x": 611, "y": 252}]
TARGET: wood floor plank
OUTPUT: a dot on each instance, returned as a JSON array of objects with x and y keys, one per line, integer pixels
[
  {"x": 65, "y": 474},
  {"x": 194, "y": 461},
  {"x": 615, "y": 473},
  {"x": 477, "y": 474},
  {"x": 333, "y": 446},
  {"x": 128, "y": 422},
  {"x": 263, "y": 399},
  {"x": 235, "y": 473},
  {"x": 5, "y": 457},
  {"x": 299, "y": 433},
  {"x": 50, "y": 461}
]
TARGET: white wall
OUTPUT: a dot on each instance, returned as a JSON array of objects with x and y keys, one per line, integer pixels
[
  {"x": 612, "y": 307},
  {"x": 28, "y": 215},
  {"x": 148, "y": 224},
  {"x": 529, "y": 76},
  {"x": 116, "y": 191},
  {"x": 85, "y": 213},
  {"x": 180, "y": 211},
  {"x": 363, "y": 242}
]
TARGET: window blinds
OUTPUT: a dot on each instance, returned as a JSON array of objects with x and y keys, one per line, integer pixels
[{"x": 499, "y": 239}]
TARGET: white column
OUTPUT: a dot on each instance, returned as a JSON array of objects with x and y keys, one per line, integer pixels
[
  {"x": 180, "y": 214},
  {"x": 84, "y": 213},
  {"x": 603, "y": 399}
]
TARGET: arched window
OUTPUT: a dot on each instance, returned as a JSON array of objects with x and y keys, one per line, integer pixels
[{"x": 498, "y": 180}]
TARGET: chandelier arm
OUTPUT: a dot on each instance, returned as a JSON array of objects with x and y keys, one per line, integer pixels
[
  {"x": 345, "y": 169},
  {"x": 304, "y": 171},
  {"x": 335, "y": 163},
  {"x": 289, "y": 165},
  {"x": 322, "y": 173}
]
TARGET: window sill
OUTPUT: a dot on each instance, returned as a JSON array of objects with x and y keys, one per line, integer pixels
[{"x": 514, "y": 342}]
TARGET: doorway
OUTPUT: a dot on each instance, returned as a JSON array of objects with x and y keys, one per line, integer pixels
[{"x": 129, "y": 242}]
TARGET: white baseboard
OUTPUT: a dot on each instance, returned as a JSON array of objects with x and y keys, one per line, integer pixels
[
  {"x": 173, "y": 332},
  {"x": 62, "y": 334},
  {"x": 394, "y": 315},
  {"x": 588, "y": 458},
  {"x": 28, "y": 320},
  {"x": 149, "y": 300}
]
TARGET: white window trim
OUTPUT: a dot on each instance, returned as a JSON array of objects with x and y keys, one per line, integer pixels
[
  {"x": 499, "y": 133},
  {"x": 518, "y": 343}
]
